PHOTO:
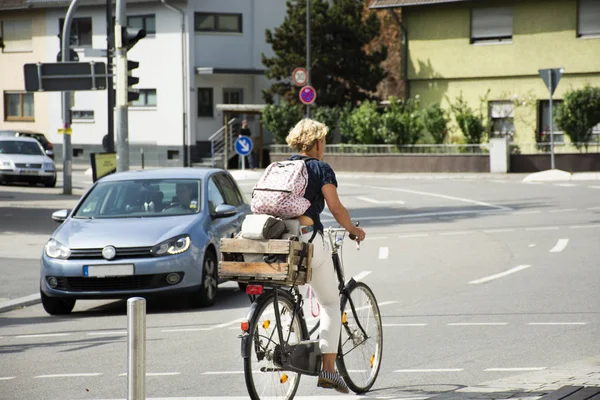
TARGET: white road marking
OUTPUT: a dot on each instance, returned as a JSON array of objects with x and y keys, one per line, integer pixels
[
  {"x": 414, "y": 235},
  {"x": 594, "y": 208},
  {"x": 378, "y": 237},
  {"x": 7, "y": 378},
  {"x": 157, "y": 374},
  {"x": 394, "y": 325},
  {"x": 557, "y": 323},
  {"x": 108, "y": 333},
  {"x": 559, "y": 246},
  {"x": 226, "y": 324},
  {"x": 373, "y": 201},
  {"x": 527, "y": 212},
  {"x": 430, "y": 214},
  {"x": 477, "y": 323},
  {"x": 222, "y": 372},
  {"x": 362, "y": 275},
  {"x": 542, "y": 228},
  {"x": 532, "y": 245},
  {"x": 386, "y": 303},
  {"x": 455, "y": 233},
  {"x": 566, "y": 184},
  {"x": 69, "y": 375},
  {"x": 591, "y": 226},
  {"x": 500, "y": 275},
  {"x": 384, "y": 252},
  {"x": 442, "y": 196},
  {"x": 520, "y": 369},
  {"x": 186, "y": 330},
  {"x": 43, "y": 335},
  {"x": 500, "y": 230},
  {"x": 430, "y": 370},
  {"x": 561, "y": 210},
  {"x": 594, "y": 187}
]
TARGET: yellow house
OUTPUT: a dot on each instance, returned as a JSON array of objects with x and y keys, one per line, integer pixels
[{"x": 470, "y": 47}]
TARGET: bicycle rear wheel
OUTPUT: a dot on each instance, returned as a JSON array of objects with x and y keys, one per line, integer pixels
[
  {"x": 262, "y": 367},
  {"x": 359, "y": 356}
]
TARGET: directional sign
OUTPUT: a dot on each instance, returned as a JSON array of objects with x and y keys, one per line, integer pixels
[
  {"x": 300, "y": 76},
  {"x": 243, "y": 145},
  {"x": 308, "y": 95},
  {"x": 67, "y": 76},
  {"x": 551, "y": 77}
]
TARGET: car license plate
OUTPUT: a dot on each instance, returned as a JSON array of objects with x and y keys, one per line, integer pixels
[
  {"x": 30, "y": 172},
  {"x": 102, "y": 271}
]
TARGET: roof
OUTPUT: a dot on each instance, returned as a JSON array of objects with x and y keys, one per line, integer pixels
[
  {"x": 406, "y": 3},
  {"x": 162, "y": 173},
  {"x": 12, "y": 4}
]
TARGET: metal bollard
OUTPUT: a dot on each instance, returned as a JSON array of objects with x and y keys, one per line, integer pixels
[
  {"x": 142, "y": 154},
  {"x": 136, "y": 348}
]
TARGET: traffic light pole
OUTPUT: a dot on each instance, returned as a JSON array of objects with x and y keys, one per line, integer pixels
[
  {"x": 121, "y": 117},
  {"x": 308, "y": 51},
  {"x": 66, "y": 105},
  {"x": 110, "y": 45}
]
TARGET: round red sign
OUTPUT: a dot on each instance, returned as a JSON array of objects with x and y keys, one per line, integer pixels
[
  {"x": 308, "y": 95},
  {"x": 300, "y": 76}
]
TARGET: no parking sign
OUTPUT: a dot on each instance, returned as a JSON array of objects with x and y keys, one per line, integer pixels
[{"x": 308, "y": 95}]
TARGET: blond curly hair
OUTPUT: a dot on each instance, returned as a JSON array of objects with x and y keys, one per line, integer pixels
[{"x": 306, "y": 134}]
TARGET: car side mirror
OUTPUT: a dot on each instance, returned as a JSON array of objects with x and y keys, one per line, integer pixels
[
  {"x": 60, "y": 215},
  {"x": 225, "y": 210}
]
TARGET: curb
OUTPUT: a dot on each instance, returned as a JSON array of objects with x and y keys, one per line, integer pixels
[{"x": 21, "y": 302}]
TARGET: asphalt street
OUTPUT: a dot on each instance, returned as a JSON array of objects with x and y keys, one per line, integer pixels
[{"x": 483, "y": 282}]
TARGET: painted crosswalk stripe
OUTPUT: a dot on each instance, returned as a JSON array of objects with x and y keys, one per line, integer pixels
[
  {"x": 557, "y": 323},
  {"x": 108, "y": 333},
  {"x": 384, "y": 252},
  {"x": 500, "y": 275},
  {"x": 222, "y": 372},
  {"x": 499, "y": 230},
  {"x": 69, "y": 375},
  {"x": 560, "y": 246},
  {"x": 518, "y": 369},
  {"x": 6, "y": 378},
  {"x": 43, "y": 335},
  {"x": 394, "y": 325},
  {"x": 430, "y": 370},
  {"x": 542, "y": 228},
  {"x": 157, "y": 374},
  {"x": 477, "y": 323},
  {"x": 186, "y": 330}
]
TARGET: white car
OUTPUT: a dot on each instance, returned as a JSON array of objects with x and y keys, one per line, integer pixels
[{"x": 24, "y": 160}]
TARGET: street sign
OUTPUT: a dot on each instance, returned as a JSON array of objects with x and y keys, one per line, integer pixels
[
  {"x": 73, "y": 56},
  {"x": 243, "y": 145},
  {"x": 65, "y": 77},
  {"x": 300, "y": 76},
  {"x": 308, "y": 95},
  {"x": 66, "y": 131},
  {"x": 551, "y": 77}
]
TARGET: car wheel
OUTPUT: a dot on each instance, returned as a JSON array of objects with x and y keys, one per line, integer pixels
[
  {"x": 50, "y": 182},
  {"x": 56, "y": 306},
  {"x": 207, "y": 294}
]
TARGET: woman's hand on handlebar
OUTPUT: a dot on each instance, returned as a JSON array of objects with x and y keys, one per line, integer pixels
[{"x": 357, "y": 234}]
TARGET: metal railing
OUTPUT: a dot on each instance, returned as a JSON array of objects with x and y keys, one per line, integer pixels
[
  {"x": 217, "y": 144},
  {"x": 358, "y": 149},
  {"x": 559, "y": 148}
]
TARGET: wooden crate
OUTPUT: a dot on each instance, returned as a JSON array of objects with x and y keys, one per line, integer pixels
[{"x": 285, "y": 271}]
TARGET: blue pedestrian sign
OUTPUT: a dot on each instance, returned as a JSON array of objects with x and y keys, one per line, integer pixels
[{"x": 243, "y": 145}]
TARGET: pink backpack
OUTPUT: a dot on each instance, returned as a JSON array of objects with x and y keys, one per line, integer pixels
[{"x": 280, "y": 191}]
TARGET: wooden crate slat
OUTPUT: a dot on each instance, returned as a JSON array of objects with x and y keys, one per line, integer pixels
[
  {"x": 233, "y": 268},
  {"x": 255, "y": 246}
]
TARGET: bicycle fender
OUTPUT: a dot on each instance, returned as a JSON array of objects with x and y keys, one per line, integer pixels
[{"x": 246, "y": 336}]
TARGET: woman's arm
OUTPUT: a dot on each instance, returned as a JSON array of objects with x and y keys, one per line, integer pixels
[{"x": 339, "y": 211}]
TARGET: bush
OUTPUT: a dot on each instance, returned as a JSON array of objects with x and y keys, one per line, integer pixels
[
  {"x": 435, "y": 122},
  {"x": 473, "y": 126},
  {"x": 329, "y": 116},
  {"x": 279, "y": 119},
  {"x": 365, "y": 123},
  {"x": 402, "y": 124},
  {"x": 578, "y": 114}
]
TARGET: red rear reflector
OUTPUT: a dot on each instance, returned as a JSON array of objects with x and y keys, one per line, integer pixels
[
  {"x": 254, "y": 289},
  {"x": 245, "y": 326}
]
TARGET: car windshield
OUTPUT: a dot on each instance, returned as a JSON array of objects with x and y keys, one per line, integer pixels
[
  {"x": 20, "y": 147},
  {"x": 142, "y": 198}
]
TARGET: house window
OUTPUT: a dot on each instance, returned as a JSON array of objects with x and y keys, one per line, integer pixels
[
  {"x": 213, "y": 22},
  {"x": 233, "y": 96},
  {"x": 588, "y": 18},
  {"x": 81, "y": 31},
  {"x": 595, "y": 134},
  {"x": 205, "y": 102},
  {"x": 16, "y": 36},
  {"x": 145, "y": 22},
  {"x": 147, "y": 98},
  {"x": 502, "y": 118},
  {"x": 83, "y": 115},
  {"x": 491, "y": 25},
  {"x": 543, "y": 133},
  {"x": 18, "y": 107}
]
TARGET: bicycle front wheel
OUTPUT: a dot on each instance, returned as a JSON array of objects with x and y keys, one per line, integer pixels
[
  {"x": 360, "y": 350},
  {"x": 264, "y": 375}
]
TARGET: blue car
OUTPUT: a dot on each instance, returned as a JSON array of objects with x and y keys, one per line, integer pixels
[{"x": 141, "y": 233}]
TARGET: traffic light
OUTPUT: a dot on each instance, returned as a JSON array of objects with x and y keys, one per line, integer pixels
[
  {"x": 132, "y": 93},
  {"x": 130, "y": 36}
]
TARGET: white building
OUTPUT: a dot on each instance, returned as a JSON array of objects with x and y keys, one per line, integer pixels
[{"x": 198, "y": 53}]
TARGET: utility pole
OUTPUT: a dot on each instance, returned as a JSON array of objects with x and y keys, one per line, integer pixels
[
  {"x": 121, "y": 116},
  {"x": 66, "y": 105},
  {"x": 110, "y": 46},
  {"x": 308, "y": 51}
]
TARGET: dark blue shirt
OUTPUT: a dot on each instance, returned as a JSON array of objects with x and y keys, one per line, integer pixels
[{"x": 319, "y": 174}]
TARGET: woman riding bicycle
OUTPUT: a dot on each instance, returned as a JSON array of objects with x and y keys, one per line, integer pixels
[{"x": 307, "y": 138}]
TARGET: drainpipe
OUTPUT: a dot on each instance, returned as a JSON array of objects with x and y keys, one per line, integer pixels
[
  {"x": 187, "y": 162},
  {"x": 404, "y": 42}
]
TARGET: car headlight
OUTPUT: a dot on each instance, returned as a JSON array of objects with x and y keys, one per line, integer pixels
[
  {"x": 48, "y": 166},
  {"x": 6, "y": 165},
  {"x": 176, "y": 245},
  {"x": 55, "y": 249}
]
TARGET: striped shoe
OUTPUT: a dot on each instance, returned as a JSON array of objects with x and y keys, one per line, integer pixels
[{"x": 328, "y": 380}]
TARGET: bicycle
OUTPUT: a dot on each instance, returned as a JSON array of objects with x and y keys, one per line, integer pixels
[{"x": 277, "y": 354}]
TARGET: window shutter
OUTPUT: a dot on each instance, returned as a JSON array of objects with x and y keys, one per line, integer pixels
[
  {"x": 17, "y": 36},
  {"x": 588, "y": 18},
  {"x": 491, "y": 23}
]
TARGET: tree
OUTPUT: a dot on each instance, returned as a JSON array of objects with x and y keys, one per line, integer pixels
[
  {"x": 341, "y": 69},
  {"x": 365, "y": 124},
  {"x": 279, "y": 119},
  {"x": 472, "y": 125},
  {"x": 578, "y": 114},
  {"x": 401, "y": 124},
  {"x": 435, "y": 123}
]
